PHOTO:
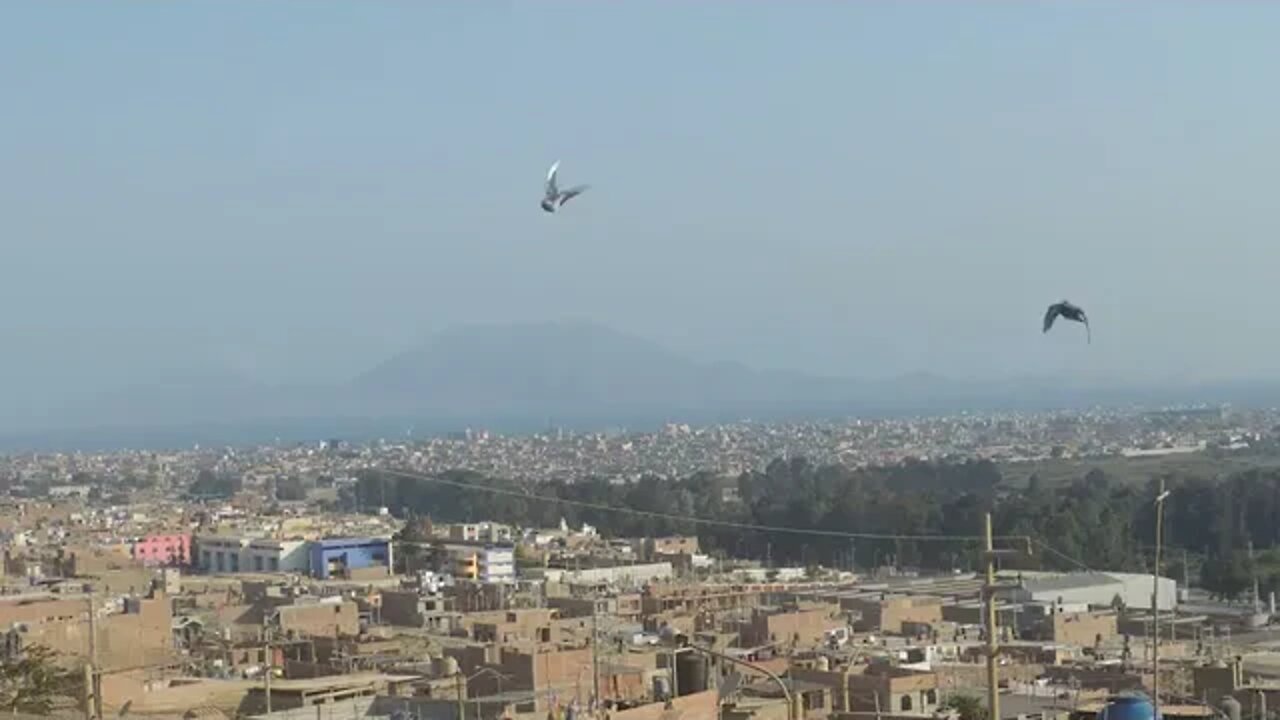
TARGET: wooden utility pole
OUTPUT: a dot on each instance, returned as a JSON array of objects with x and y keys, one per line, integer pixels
[{"x": 268, "y": 662}]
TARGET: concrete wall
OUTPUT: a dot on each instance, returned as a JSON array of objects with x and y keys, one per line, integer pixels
[
  {"x": 622, "y": 574},
  {"x": 320, "y": 619},
  {"x": 1137, "y": 591},
  {"x": 403, "y": 607},
  {"x": 1081, "y": 629},
  {"x": 888, "y": 614},
  {"x": 141, "y": 635},
  {"x": 803, "y": 627}
]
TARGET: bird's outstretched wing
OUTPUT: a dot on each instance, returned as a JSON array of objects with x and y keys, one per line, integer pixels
[
  {"x": 552, "y": 190},
  {"x": 572, "y": 193},
  {"x": 1050, "y": 315}
]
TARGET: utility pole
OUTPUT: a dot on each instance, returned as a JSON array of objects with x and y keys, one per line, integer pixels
[
  {"x": 1155, "y": 603},
  {"x": 462, "y": 695},
  {"x": 595, "y": 656},
  {"x": 675, "y": 677},
  {"x": 93, "y": 683},
  {"x": 268, "y": 662},
  {"x": 989, "y": 589}
]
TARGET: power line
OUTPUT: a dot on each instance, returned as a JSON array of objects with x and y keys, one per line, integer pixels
[
  {"x": 1061, "y": 555},
  {"x": 710, "y": 522}
]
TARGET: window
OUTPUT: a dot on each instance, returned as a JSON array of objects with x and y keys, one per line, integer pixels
[
  {"x": 905, "y": 703},
  {"x": 931, "y": 697},
  {"x": 275, "y": 564},
  {"x": 257, "y": 563}
]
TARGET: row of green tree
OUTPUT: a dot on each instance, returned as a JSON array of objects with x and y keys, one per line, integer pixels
[{"x": 1093, "y": 521}]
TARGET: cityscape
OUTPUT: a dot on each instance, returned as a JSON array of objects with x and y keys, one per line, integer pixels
[
  {"x": 639, "y": 361},
  {"x": 262, "y": 582}
]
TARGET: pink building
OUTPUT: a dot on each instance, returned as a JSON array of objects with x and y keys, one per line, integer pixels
[{"x": 163, "y": 549}]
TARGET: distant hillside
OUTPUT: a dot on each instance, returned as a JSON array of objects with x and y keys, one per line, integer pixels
[
  {"x": 517, "y": 378},
  {"x": 573, "y": 370}
]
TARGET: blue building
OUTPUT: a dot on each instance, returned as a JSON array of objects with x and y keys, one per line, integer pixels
[
  {"x": 1129, "y": 706},
  {"x": 337, "y": 557}
]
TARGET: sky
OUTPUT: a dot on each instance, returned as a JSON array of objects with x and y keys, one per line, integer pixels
[{"x": 294, "y": 191}]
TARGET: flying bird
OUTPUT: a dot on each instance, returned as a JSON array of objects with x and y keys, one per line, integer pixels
[
  {"x": 1070, "y": 312},
  {"x": 554, "y": 198}
]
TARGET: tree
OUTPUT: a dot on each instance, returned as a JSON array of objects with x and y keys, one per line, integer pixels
[
  {"x": 208, "y": 484},
  {"x": 30, "y": 680},
  {"x": 968, "y": 707},
  {"x": 291, "y": 489}
]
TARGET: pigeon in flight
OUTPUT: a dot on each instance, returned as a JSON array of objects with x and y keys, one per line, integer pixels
[
  {"x": 1070, "y": 312},
  {"x": 554, "y": 198}
]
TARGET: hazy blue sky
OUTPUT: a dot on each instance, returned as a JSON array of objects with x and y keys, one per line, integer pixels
[{"x": 298, "y": 189}]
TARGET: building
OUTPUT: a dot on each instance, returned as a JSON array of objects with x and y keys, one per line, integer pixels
[
  {"x": 1063, "y": 626},
  {"x": 163, "y": 549},
  {"x": 331, "y": 617},
  {"x": 482, "y": 564},
  {"x": 350, "y": 558},
  {"x": 895, "y": 690},
  {"x": 774, "y": 626},
  {"x": 265, "y": 555},
  {"x": 665, "y": 547},
  {"x": 883, "y": 613},
  {"x": 241, "y": 554},
  {"x": 220, "y": 553},
  {"x": 132, "y": 632},
  {"x": 1131, "y": 590}
]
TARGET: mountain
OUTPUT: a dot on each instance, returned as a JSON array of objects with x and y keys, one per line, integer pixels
[
  {"x": 575, "y": 370},
  {"x": 517, "y": 378}
]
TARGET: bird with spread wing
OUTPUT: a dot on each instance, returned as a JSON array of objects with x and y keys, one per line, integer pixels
[
  {"x": 1070, "y": 312},
  {"x": 553, "y": 197}
]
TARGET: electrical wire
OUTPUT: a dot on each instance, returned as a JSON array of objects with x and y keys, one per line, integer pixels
[{"x": 693, "y": 519}]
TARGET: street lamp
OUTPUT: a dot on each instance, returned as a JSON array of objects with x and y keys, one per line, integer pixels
[
  {"x": 467, "y": 681},
  {"x": 792, "y": 710},
  {"x": 1155, "y": 603}
]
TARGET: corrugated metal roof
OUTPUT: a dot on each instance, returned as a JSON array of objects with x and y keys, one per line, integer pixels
[{"x": 1070, "y": 582}]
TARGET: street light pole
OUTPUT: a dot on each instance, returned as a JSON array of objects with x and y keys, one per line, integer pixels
[
  {"x": 793, "y": 712},
  {"x": 1155, "y": 603}
]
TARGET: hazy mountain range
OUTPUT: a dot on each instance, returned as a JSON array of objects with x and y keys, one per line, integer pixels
[{"x": 526, "y": 377}]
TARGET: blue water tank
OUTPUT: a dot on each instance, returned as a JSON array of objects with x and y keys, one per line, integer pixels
[{"x": 1128, "y": 707}]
